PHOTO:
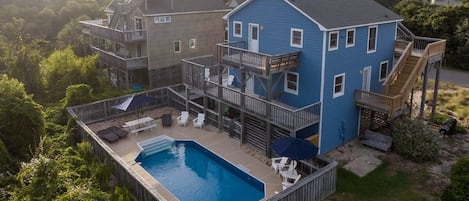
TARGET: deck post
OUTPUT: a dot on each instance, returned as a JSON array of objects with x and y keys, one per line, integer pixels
[
  {"x": 424, "y": 92},
  {"x": 220, "y": 96},
  {"x": 435, "y": 90},
  {"x": 187, "y": 98},
  {"x": 268, "y": 116}
]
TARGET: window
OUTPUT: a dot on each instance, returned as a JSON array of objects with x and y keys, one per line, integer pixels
[
  {"x": 192, "y": 43},
  {"x": 372, "y": 38},
  {"x": 291, "y": 82},
  {"x": 350, "y": 38},
  {"x": 383, "y": 70},
  {"x": 162, "y": 19},
  {"x": 296, "y": 38},
  {"x": 237, "y": 29},
  {"x": 138, "y": 48},
  {"x": 339, "y": 85},
  {"x": 333, "y": 40},
  {"x": 138, "y": 23},
  {"x": 177, "y": 46}
]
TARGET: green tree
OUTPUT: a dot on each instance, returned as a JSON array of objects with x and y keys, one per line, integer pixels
[
  {"x": 70, "y": 35},
  {"x": 63, "y": 68},
  {"x": 22, "y": 119}
]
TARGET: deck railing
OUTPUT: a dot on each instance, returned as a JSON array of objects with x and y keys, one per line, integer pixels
[
  {"x": 99, "y": 28},
  {"x": 124, "y": 64},
  {"x": 236, "y": 55},
  {"x": 399, "y": 65},
  {"x": 285, "y": 116},
  {"x": 319, "y": 183},
  {"x": 382, "y": 103}
]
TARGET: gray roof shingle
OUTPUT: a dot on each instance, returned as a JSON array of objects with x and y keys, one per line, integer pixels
[
  {"x": 334, "y": 14},
  {"x": 179, "y": 6}
]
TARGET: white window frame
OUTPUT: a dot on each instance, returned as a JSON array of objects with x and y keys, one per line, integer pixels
[
  {"x": 240, "y": 35},
  {"x": 368, "y": 41},
  {"x": 381, "y": 69},
  {"x": 347, "y": 36},
  {"x": 339, "y": 93},
  {"x": 162, "y": 19},
  {"x": 291, "y": 38},
  {"x": 174, "y": 46},
  {"x": 192, "y": 43},
  {"x": 286, "y": 89},
  {"x": 337, "y": 41}
]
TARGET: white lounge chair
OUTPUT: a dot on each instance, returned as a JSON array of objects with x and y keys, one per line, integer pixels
[
  {"x": 182, "y": 119},
  {"x": 278, "y": 163},
  {"x": 229, "y": 81},
  {"x": 286, "y": 183},
  {"x": 199, "y": 121},
  {"x": 289, "y": 171}
]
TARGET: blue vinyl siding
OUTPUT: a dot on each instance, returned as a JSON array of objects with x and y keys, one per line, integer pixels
[
  {"x": 340, "y": 115},
  {"x": 274, "y": 38}
]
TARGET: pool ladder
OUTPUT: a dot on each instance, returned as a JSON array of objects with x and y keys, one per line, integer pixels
[{"x": 155, "y": 145}]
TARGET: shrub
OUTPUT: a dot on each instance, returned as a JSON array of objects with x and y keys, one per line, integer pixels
[
  {"x": 415, "y": 141},
  {"x": 458, "y": 190}
]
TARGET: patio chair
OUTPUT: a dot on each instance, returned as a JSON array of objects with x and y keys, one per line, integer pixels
[
  {"x": 229, "y": 81},
  {"x": 199, "y": 121},
  {"x": 207, "y": 74},
  {"x": 289, "y": 171},
  {"x": 286, "y": 183},
  {"x": 278, "y": 163},
  {"x": 182, "y": 119}
]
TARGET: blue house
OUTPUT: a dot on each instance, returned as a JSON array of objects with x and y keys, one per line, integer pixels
[{"x": 326, "y": 69}]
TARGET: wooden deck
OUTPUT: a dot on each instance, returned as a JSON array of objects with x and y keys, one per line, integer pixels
[{"x": 237, "y": 56}]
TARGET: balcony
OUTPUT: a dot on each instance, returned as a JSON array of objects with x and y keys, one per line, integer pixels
[
  {"x": 201, "y": 74},
  {"x": 236, "y": 55},
  {"x": 99, "y": 28},
  {"x": 121, "y": 63}
]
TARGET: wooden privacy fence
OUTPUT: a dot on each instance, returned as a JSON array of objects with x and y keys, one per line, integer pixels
[{"x": 319, "y": 184}]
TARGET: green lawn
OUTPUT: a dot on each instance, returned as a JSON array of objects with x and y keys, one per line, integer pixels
[{"x": 381, "y": 184}]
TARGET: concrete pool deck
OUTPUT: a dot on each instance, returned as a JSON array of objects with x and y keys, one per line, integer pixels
[{"x": 220, "y": 143}]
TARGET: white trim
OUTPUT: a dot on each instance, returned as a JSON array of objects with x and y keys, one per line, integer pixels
[
  {"x": 341, "y": 93},
  {"x": 321, "y": 27},
  {"x": 380, "y": 69},
  {"x": 321, "y": 96},
  {"x": 359, "y": 120},
  {"x": 336, "y": 43},
  {"x": 368, "y": 40},
  {"x": 346, "y": 37},
  {"x": 186, "y": 13},
  {"x": 225, "y": 17},
  {"x": 195, "y": 43},
  {"x": 285, "y": 86},
  {"x": 395, "y": 32},
  {"x": 291, "y": 38},
  {"x": 174, "y": 46},
  {"x": 240, "y": 35},
  {"x": 364, "y": 25}
]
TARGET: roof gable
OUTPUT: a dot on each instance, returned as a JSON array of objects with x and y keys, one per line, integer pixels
[{"x": 337, "y": 14}]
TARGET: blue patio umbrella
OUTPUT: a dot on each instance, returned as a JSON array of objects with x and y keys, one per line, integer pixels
[
  {"x": 294, "y": 148},
  {"x": 134, "y": 101}
]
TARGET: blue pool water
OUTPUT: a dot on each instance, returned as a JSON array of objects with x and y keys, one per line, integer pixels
[{"x": 192, "y": 173}]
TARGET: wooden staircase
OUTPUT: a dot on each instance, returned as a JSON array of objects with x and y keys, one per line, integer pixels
[
  {"x": 123, "y": 10},
  {"x": 413, "y": 58}
]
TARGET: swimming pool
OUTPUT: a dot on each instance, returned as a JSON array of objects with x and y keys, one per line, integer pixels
[{"x": 193, "y": 173}]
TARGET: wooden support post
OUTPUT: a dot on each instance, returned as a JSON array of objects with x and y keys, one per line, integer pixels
[
  {"x": 268, "y": 117},
  {"x": 220, "y": 116},
  {"x": 127, "y": 82},
  {"x": 220, "y": 97},
  {"x": 187, "y": 99},
  {"x": 435, "y": 90},
  {"x": 411, "y": 102},
  {"x": 424, "y": 92},
  {"x": 372, "y": 119}
]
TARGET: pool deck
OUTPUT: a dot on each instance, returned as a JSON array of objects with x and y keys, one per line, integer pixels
[{"x": 220, "y": 143}]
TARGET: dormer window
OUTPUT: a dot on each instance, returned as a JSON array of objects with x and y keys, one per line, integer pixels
[{"x": 333, "y": 40}]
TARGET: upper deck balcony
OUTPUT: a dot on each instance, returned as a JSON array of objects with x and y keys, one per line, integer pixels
[
  {"x": 121, "y": 63},
  {"x": 99, "y": 28},
  {"x": 236, "y": 55}
]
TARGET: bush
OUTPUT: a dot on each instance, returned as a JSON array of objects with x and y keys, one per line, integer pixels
[
  {"x": 458, "y": 190},
  {"x": 415, "y": 141}
]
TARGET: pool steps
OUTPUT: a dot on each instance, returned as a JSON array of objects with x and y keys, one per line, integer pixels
[{"x": 155, "y": 145}]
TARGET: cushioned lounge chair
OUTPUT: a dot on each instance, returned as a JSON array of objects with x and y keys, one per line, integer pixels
[{"x": 110, "y": 137}]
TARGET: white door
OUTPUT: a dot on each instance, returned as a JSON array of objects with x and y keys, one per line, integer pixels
[
  {"x": 253, "y": 42},
  {"x": 366, "y": 78}
]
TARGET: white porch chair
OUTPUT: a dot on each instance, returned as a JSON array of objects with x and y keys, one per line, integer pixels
[
  {"x": 182, "y": 119},
  {"x": 289, "y": 171},
  {"x": 229, "y": 81},
  {"x": 278, "y": 163},
  {"x": 199, "y": 121},
  {"x": 286, "y": 183}
]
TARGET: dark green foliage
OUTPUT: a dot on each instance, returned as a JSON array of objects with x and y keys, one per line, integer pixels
[
  {"x": 121, "y": 194},
  {"x": 6, "y": 160},
  {"x": 440, "y": 118},
  {"x": 78, "y": 94},
  {"x": 22, "y": 119},
  {"x": 415, "y": 141},
  {"x": 458, "y": 190},
  {"x": 450, "y": 23}
]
